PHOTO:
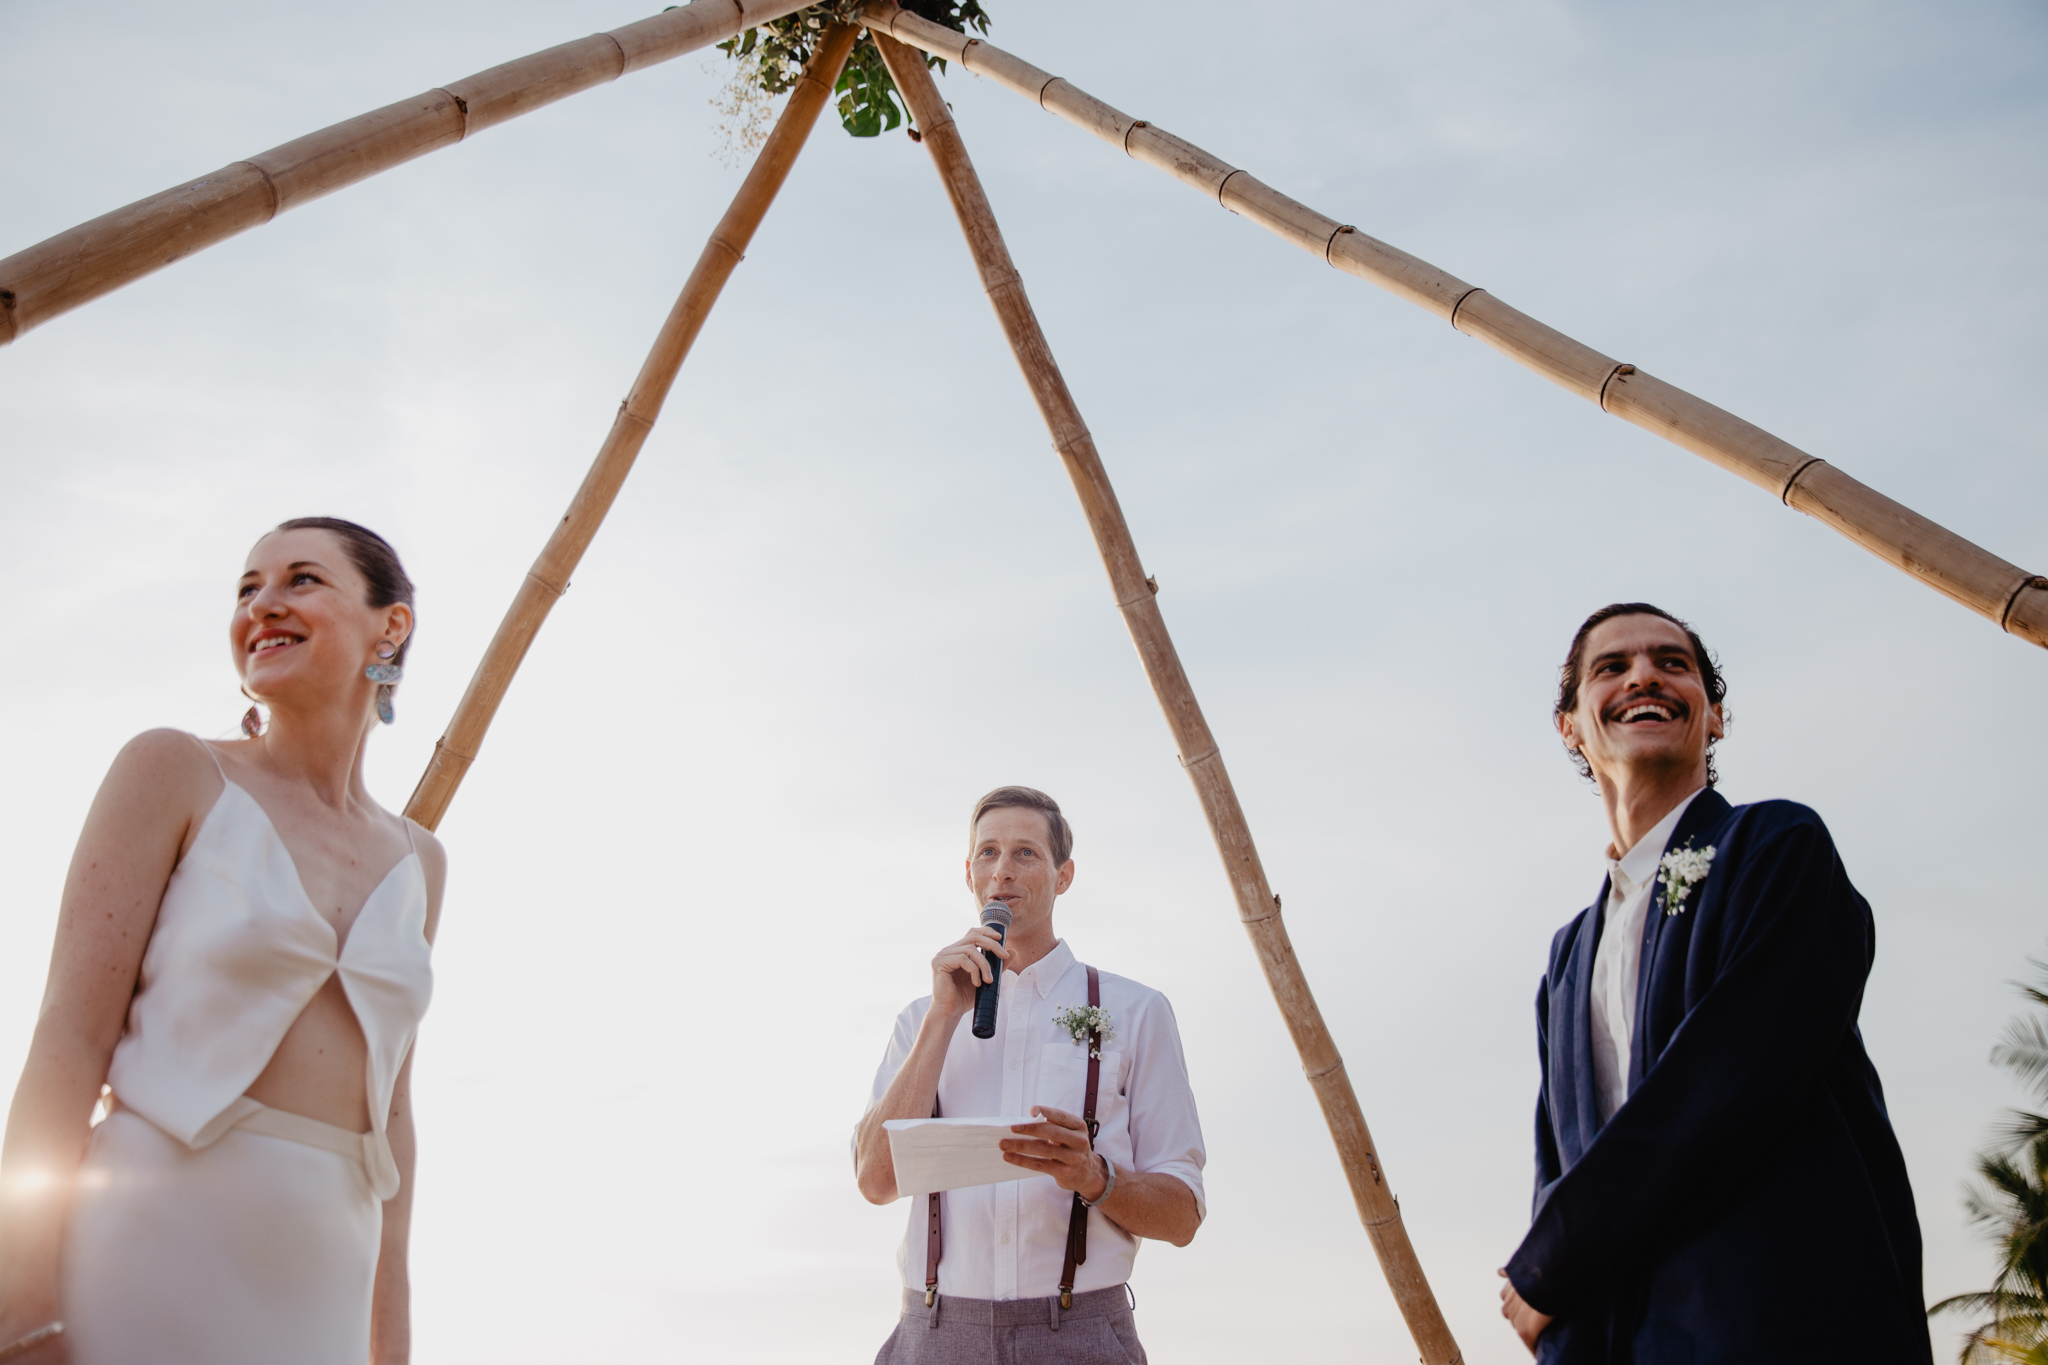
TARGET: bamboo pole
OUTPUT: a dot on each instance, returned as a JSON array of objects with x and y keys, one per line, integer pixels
[
  {"x": 2015, "y": 598},
  {"x": 1135, "y": 595},
  {"x": 548, "y": 579},
  {"x": 95, "y": 258}
]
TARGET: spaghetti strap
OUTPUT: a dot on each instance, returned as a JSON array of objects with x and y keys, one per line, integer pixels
[
  {"x": 410, "y": 843},
  {"x": 212, "y": 755}
]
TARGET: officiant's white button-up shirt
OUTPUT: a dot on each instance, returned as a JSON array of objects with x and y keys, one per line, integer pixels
[
  {"x": 1617, "y": 965},
  {"x": 1009, "y": 1241}
]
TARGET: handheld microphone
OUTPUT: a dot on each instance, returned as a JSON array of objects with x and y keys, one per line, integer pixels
[{"x": 995, "y": 915}]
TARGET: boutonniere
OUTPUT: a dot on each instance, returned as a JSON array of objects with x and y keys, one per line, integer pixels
[
  {"x": 1083, "y": 1020},
  {"x": 1682, "y": 870}
]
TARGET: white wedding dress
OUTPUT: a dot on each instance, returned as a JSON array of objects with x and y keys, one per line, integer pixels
[{"x": 207, "y": 1229}]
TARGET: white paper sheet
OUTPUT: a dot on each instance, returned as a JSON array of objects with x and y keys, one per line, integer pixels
[{"x": 951, "y": 1154}]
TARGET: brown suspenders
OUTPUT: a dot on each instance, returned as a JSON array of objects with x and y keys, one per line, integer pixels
[
  {"x": 934, "y": 1244},
  {"x": 1077, "y": 1218}
]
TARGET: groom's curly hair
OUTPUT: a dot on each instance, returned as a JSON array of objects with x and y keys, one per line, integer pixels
[{"x": 1569, "y": 678}]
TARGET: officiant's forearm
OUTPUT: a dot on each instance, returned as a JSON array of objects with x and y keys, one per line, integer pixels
[
  {"x": 909, "y": 1096},
  {"x": 1160, "y": 1207}
]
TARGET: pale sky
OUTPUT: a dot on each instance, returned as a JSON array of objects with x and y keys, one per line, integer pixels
[{"x": 715, "y": 835}]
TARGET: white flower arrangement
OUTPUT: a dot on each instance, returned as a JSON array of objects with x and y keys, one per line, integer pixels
[
  {"x": 1082, "y": 1021},
  {"x": 1681, "y": 871}
]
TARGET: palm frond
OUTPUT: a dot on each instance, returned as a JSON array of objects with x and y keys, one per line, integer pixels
[
  {"x": 2018, "y": 1130},
  {"x": 2024, "y": 1048}
]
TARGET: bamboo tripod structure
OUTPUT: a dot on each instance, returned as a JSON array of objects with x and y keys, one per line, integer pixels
[
  {"x": 117, "y": 248},
  {"x": 1137, "y": 598},
  {"x": 548, "y": 579}
]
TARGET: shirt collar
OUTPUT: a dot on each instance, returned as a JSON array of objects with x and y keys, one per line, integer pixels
[
  {"x": 1634, "y": 868},
  {"x": 1045, "y": 973}
]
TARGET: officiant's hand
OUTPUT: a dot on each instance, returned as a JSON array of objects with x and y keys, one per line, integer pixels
[
  {"x": 1527, "y": 1322},
  {"x": 960, "y": 969},
  {"x": 1058, "y": 1147}
]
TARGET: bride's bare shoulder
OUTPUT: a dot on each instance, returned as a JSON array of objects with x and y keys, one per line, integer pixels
[{"x": 163, "y": 763}]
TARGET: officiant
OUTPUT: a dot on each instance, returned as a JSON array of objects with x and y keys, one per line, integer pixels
[{"x": 1034, "y": 1268}]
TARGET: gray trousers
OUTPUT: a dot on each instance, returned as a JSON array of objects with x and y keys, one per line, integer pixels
[{"x": 1098, "y": 1330}]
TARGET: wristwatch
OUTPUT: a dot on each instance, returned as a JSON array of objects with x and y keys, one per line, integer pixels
[{"x": 1109, "y": 1167}]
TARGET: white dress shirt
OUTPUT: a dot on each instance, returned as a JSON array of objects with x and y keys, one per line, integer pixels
[
  {"x": 1009, "y": 1241},
  {"x": 1618, "y": 963}
]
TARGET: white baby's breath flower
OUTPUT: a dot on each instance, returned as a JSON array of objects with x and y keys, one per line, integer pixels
[
  {"x": 1680, "y": 871},
  {"x": 1083, "y": 1020}
]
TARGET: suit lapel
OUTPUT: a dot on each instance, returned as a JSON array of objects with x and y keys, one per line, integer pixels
[
  {"x": 1704, "y": 814},
  {"x": 1585, "y": 1106}
]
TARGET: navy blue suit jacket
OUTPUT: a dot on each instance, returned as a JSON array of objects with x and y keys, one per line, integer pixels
[{"x": 1748, "y": 1202}]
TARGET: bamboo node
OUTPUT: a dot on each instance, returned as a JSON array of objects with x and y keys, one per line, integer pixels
[
  {"x": 557, "y": 590},
  {"x": 1203, "y": 757},
  {"x": 1461, "y": 302},
  {"x": 1127, "y": 132},
  {"x": 1323, "y": 1071},
  {"x": 1226, "y": 185},
  {"x": 1785, "y": 493},
  {"x": 1331, "y": 245},
  {"x": 1617, "y": 372},
  {"x": 269, "y": 185},
  {"x": 2004, "y": 617}
]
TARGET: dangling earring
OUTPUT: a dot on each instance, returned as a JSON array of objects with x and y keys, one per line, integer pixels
[
  {"x": 252, "y": 723},
  {"x": 386, "y": 676}
]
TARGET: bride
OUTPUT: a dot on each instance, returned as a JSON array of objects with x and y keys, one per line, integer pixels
[{"x": 241, "y": 961}]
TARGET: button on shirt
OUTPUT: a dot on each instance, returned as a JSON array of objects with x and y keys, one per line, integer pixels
[
  {"x": 1009, "y": 1241},
  {"x": 1618, "y": 962}
]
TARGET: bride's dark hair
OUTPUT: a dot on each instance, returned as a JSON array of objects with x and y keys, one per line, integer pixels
[{"x": 374, "y": 559}]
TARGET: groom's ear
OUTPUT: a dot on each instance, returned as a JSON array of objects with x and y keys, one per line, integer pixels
[
  {"x": 1568, "y": 732},
  {"x": 1717, "y": 723}
]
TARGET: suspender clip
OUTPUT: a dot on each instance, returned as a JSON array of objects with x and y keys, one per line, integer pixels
[
  {"x": 931, "y": 1292},
  {"x": 1067, "y": 1299}
]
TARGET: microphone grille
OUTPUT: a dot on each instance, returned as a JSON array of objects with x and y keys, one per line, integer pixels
[{"x": 995, "y": 913}]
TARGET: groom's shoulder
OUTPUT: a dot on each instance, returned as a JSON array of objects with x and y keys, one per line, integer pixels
[
  {"x": 1562, "y": 941},
  {"x": 1766, "y": 821}
]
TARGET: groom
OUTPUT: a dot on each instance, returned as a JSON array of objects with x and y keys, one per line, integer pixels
[{"x": 1716, "y": 1176}]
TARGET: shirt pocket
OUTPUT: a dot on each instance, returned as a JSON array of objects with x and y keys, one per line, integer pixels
[{"x": 1063, "y": 1078}]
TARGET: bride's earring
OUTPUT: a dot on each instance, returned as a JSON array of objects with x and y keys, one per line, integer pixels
[
  {"x": 252, "y": 723},
  {"x": 386, "y": 676}
]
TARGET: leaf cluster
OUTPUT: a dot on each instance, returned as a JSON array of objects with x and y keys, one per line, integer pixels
[
  {"x": 2010, "y": 1202},
  {"x": 771, "y": 57}
]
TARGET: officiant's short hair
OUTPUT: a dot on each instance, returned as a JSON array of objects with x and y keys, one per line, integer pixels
[{"x": 1028, "y": 798}]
